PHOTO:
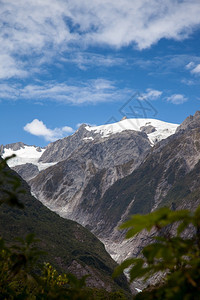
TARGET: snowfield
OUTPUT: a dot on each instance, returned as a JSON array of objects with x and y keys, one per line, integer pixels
[
  {"x": 162, "y": 129},
  {"x": 26, "y": 154}
]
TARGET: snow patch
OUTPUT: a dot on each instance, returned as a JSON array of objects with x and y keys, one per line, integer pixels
[{"x": 89, "y": 138}]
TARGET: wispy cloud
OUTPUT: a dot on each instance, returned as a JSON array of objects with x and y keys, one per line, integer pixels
[
  {"x": 37, "y": 30},
  {"x": 38, "y": 128},
  {"x": 190, "y": 65},
  {"x": 193, "y": 67},
  {"x": 168, "y": 63},
  {"x": 151, "y": 94},
  {"x": 177, "y": 99},
  {"x": 188, "y": 81},
  {"x": 196, "y": 70},
  {"x": 91, "y": 91},
  {"x": 10, "y": 67},
  {"x": 88, "y": 59}
]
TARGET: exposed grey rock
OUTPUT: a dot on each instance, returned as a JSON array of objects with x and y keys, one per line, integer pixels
[
  {"x": 63, "y": 148},
  {"x": 39, "y": 149},
  {"x": 15, "y": 146},
  {"x": 190, "y": 122},
  {"x": 27, "y": 171},
  {"x": 62, "y": 187},
  {"x": 148, "y": 129},
  {"x": 1, "y": 149}
]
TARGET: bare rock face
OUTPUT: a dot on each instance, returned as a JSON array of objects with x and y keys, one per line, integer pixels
[
  {"x": 15, "y": 146},
  {"x": 148, "y": 129},
  {"x": 190, "y": 122},
  {"x": 62, "y": 149},
  {"x": 27, "y": 171},
  {"x": 62, "y": 187}
]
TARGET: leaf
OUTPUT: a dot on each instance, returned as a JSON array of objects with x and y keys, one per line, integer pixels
[
  {"x": 182, "y": 227},
  {"x": 124, "y": 265},
  {"x": 137, "y": 271},
  {"x": 138, "y": 223}
]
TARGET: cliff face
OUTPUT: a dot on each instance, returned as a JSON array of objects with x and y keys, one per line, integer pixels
[
  {"x": 69, "y": 246},
  {"x": 62, "y": 187}
]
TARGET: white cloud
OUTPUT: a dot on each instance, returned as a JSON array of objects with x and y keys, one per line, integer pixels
[
  {"x": 190, "y": 65},
  {"x": 193, "y": 67},
  {"x": 196, "y": 70},
  {"x": 168, "y": 63},
  {"x": 38, "y": 128},
  {"x": 9, "y": 67},
  {"x": 177, "y": 99},
  {"x": 91, "y": 91},
  {"x": 88, "y": 59},
  {"x": 43, "y": 30},
  {"x": 151, "y": 94},
  {"x": 188, "y": 81}
]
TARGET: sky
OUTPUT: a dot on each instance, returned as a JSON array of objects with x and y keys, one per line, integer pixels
[{"x": 64, "y": 63}]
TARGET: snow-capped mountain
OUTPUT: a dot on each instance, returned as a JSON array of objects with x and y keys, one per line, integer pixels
[
  {"x": 156, "y": 130},
  {"x": 105, "y": 173},
  {"x": 106, "y": 179},
  {"x": 43, "y": 158},
  {"x": 103, "y": 153}
]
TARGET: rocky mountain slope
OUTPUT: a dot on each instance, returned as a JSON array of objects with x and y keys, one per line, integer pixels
[
  {"x": 169, "y": 176},
  {"x": 61, "y": 186},
  {"x": 103, "y": 183},
  {"x": 69, "y": 246},
  {"x": 91, "y": 161}
]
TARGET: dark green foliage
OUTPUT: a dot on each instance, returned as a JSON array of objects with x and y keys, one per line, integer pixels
[
  {"x": 19, "y": 280},
  {"x": 7, "y": 179},
  {"x": 177, "y": 258}
]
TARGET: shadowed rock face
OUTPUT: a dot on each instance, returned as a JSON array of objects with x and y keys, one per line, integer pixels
[
  {"x": 27, "y": 171},
  {"x": 148, "y": 129}
]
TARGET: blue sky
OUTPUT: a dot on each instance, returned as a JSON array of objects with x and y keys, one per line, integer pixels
[{"x": 63, "y": 63}]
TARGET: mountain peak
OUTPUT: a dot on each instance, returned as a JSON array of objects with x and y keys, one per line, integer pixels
[
  {"x": 190, "y": 122},
  {"x": 156, "y": 130}
]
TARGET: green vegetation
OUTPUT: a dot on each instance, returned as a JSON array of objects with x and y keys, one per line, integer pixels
[
  {"x": 175, "y": 256},
  {"x": 23, "y": 271}
]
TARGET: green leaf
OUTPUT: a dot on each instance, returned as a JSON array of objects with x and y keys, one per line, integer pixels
[
  {"x": 124, "y": 265},
  {"x": 138, "y": 271}
]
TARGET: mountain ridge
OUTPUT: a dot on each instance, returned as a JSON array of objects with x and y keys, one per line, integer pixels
[{"x": 69, "y": 246}]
